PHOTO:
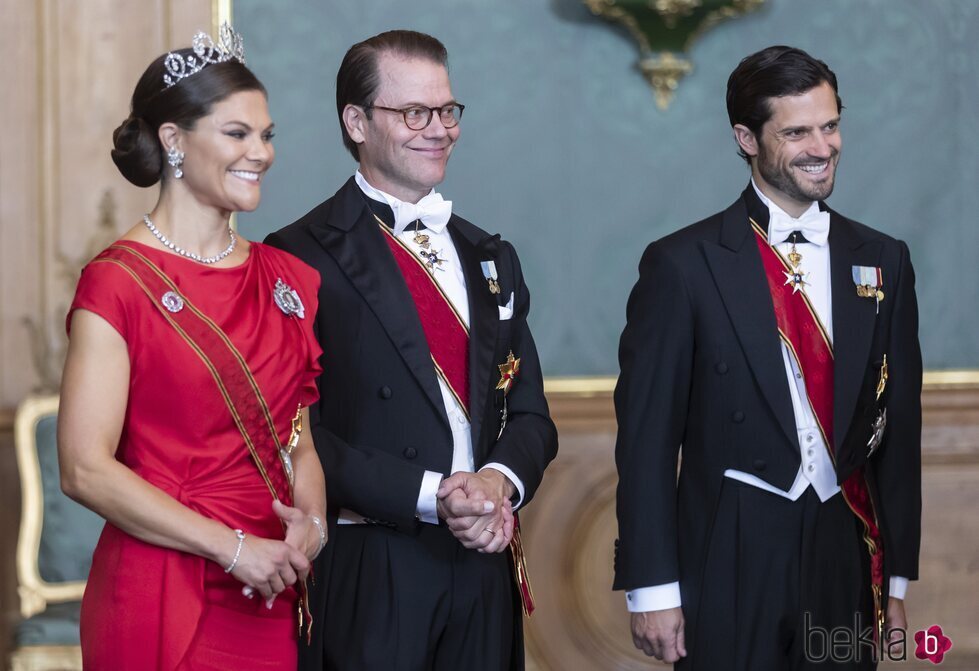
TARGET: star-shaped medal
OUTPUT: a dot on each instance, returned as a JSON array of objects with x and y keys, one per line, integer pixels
[
  {"x": 508, "y": 373},
  {"x": 794, "y": 275},
  {"x": 796, "y": 278},
  {"x": 432, "y": 260}
]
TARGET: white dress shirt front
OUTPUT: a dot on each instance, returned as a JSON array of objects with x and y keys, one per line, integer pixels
[
  {"x": 816, "y": 468},
  {"x": 452, "y": 280}
]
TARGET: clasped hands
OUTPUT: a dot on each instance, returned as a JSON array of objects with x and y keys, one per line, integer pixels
[
  {"x": 269, "y": 566},
  {"x": 477, "y": 510}
]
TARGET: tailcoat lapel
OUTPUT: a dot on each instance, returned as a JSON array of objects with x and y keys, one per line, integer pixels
[
  {"x": 351, "y": 236},
  {"x": 484, "y": 316},
  {"x": 854, "y": 318},
  {"x": 737, "y": 269}
]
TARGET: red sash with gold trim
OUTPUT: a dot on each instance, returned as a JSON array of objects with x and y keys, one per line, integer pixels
[
  {"x": 448, "y": 342},
  {"x": 446, "y": 333},
  {"x": 806, "y": 339},
  {"x": 235, "y": 382}
]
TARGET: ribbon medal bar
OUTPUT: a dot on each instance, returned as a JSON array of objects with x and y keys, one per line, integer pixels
[
  {"x": 869, "y": 281},
  {"x": 489, "y": 272}
]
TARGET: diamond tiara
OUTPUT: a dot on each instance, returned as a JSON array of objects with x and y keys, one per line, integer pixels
[{"x": 229, "y": 46}]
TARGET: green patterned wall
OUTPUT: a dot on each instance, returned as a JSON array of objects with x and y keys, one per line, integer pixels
[{"x": 564, "y": 151}]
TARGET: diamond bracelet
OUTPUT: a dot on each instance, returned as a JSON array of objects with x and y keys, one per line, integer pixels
[
  {"x": 319, "y": 527},
  {"x": 241, "y": 541}
]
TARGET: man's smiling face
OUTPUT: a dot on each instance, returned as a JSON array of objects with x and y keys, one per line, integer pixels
[
  {"x": 799, "y": 148},
  {"x": 403, "y": 162}
]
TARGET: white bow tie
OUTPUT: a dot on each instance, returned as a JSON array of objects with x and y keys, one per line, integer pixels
[
  {"x": 813, "y": 225},
  {"x": 432, "y": 210}
]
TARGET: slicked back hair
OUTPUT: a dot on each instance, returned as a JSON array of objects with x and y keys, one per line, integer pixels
[
  {"x": 772, "y": 73},
  {"x": 358, "y": 77}
]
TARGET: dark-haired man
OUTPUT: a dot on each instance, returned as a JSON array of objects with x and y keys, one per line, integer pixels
[
  {"x": 776, "y": 341},
  {"x": 432, "y": 425}
]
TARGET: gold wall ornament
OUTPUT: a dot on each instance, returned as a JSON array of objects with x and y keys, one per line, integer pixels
[
  {"x": 672, "y": 10},
  {"x": 664, "y": 72},
  {"x": 665, "y": 30}
]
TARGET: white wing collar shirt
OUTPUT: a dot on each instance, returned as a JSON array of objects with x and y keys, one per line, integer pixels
[
  {"x": 816, "y": 468},
  {"x": 434, "y": 212}
]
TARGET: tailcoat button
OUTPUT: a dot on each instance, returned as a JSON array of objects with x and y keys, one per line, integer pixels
[
  {"x": 738, "y": 416},
  {"x": 760, "y": 464},
  {"x": 384, "y": 392},
  {"x": 721, "y": 368},
  {"x": 410, "y": 452}
]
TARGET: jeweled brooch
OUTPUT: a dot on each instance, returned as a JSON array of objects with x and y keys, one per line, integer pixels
[{"x": 288, "y": 300}]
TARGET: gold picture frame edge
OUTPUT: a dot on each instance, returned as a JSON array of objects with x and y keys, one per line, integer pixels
[
  {"x": 35, "y": 593},
  {"x": 221, "y": 11},
  {"x": 601, "y": 385}
]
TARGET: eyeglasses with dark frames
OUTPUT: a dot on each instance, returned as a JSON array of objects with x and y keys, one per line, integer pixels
[{"x": 417, "y": 117}]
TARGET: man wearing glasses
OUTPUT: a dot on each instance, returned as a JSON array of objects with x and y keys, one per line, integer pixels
[{"x": 432, "y": 425}]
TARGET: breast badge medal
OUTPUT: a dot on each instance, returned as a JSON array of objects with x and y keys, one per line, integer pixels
[
  {"x": 880, "y": 423},
  {"x": 508, "y": 375}
]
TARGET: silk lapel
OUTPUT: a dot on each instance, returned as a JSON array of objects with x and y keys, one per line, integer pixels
[
  {"x": 740, "y": 278},
  {"x": 351, "y": 236},
  {"x": 854, "y": 318},
  {"x": 484, "y": 318}
]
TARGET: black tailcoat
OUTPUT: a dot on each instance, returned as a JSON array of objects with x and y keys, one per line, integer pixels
[
  {"x": 701, "y": 367},
  {"x": 380, "y": 422}
]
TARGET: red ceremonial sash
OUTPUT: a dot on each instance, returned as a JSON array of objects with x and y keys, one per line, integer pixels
[
  {"x": 448, "y": 342},
  {"x": 520, "y": 575},
  {"x": 806, "y": 339},
  {"x": 231, "y": 374},
  {"x": 447, "y": 335}
]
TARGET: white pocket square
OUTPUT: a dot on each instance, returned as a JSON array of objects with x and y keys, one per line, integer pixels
[{"x": 506, "y": 311}]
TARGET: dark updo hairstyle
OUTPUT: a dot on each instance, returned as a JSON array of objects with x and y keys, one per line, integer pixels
[
  {"x": 358, "y": 78},
  {"x": 137, "y": 151},
  {"x": 772, "y": 73}
]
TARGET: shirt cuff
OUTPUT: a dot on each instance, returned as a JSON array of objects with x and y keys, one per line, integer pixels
[
  {"x": 898, "y": 587},
  {"x": 511, "y": 476},
  {"x": 658, "y": 597},
  {"x": 426, "y": 510}
]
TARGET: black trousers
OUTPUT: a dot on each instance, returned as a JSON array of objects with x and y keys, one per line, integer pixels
[
  {"x": 781, "y": 581},
  {"x": 414, "y": 603}
]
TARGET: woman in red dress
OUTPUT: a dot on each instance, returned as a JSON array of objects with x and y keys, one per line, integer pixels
[{"x": 191, "y": 365}]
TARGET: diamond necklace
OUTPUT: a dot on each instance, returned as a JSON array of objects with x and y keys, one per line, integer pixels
[{"x": 183, "y": 252}]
